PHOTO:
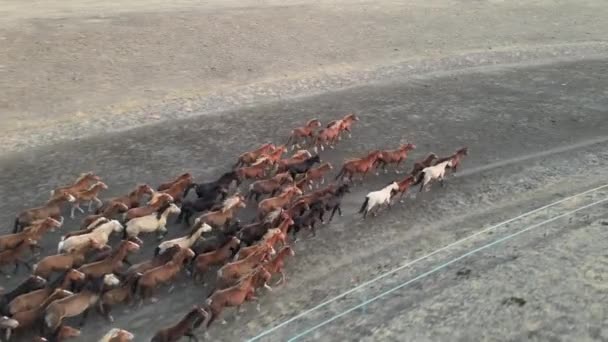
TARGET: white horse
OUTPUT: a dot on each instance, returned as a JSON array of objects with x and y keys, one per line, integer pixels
[
  {"x": 431, "y": 173},
  {"x": 378, "y": 198},
  {"x": 184, "y": 241},
  {"x": 151, "y": 223},
  {"x": 100, "y": 235}
]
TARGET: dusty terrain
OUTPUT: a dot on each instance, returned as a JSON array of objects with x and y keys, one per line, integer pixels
[
  {"x": 522, "y": 83},
  {"x": 537, "y": 135}
]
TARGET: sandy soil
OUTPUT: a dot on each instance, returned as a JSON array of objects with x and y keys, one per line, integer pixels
[
  {"x": 536, "y": 134},
  {"x": 75, "y": 68}
]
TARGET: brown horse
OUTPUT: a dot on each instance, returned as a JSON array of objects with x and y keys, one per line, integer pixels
[
  {"x": 317, "y": 174},
  {"x": 33, "y": 299},
  {"x": 64, "y": 261},
  {"x": 423, "y": 163},
  {"x": 232, "y": 272},
  {"x": 248, "y": 158},
  {"x": 131, "y": 200},
  {"x": 150, "y": 279},
  {"x": 303, "y": 133},
  {"x": 111, "y": 264},
  {"x": 297, "y": 157},
  {"x": 327, "y": 136},
  {"x": 30, "y": 319},
  {"x": 117, "y": 335},
  {"x": 109, "y": 212},
  {"x": 78, "y": 303},
  {"x": 52, "y": 208},
  {"x": 165, "y": 186},
  {"x": 156, "y": 261},
  {"x": 204, "y": 261},
  {"x": 156, "y": 203},
  {"x": 345, "y": 124},
  {"x": 255, "y": 171},
  {"x": 182, "y": 328},
  {"x": 281, "y": 201},
  {"x": 268, "y": 186},
  {"x": 15, "y": 256},
  {"x": 359, "y": 166},
  {"x": 34, "y": 232},
  {"x": 88, "y": 195},
  {"x": 122, "y": 294},
  {"x": 244, "y": 252},
  {"x": 81, "y": 183},
  {"x": 394, "y": 157},
  {"x": 237, "y": 294},
  {"x": 404, "y": 185},
  {"x": 222, "y": 217},
  {"x": 275, "y": 155},
  {"x": 176, "y": 190},
  {"x": 455, "y": 158},
  {"x": 277, "y": 263}
]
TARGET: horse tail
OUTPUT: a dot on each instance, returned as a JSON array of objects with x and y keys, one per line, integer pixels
[
  {"x": 16, "y": 225},
  {"x": 364, "y": 206},
  {"x": 192, "y": 185},
  {"x": 157, "y": 250}
]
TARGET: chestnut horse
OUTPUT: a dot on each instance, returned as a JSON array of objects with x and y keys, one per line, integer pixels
[
  {"x": 303, "y": 133},
  {"x": 81, "y": 183},
  {"x": 232, "y": 272},
  {"x": 131, "y": 200},
  {"x": 455, "y": 158},
  {"x": 30, "y": 319},
  {"x": 204, "y": 261},
  {"x": 34, "y": 232},
  {"x": 121, "y": 294},
  {"x": 52, "y": 208},
  {"x": 165, "y": 186},
  {"x": 268, "y": 186},
  {"x": 75, "y": 257},
  {"x": 317, "y": 173},
  {"x": 297, "y": 157},
  {"x": 344, "y": 124},
  {"x": 182, "y": 328},
  {"x": 404, "y": 185},
  {"x": 327, "y": 136},
  {"x": 16, "y": 256},
  {"x": 255, "y": 171},
  {"x": 109, "y": 212},
  {"x": 273, "y": 156},
  {"x": 359, "y": 165},
  {"x": 158, "y": 204},
  {"x": 176, "y": 190},
  {"x": 248, "y": 158},
  {"x": 269, "y": 204},
  {"x": 88, "y": 195},
  {"x": 394, "y": 157},
  {"x": 111, "y": 264},
  {"x": 277, "y": 263},
  {"x": 222, "y": 217}
]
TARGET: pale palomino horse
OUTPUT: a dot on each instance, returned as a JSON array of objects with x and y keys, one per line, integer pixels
[
  {"x": 99, "y": 235},
  {"x": 184, "y": 241},
  {"x": 435, "y": 172},
  {"x": 376, "y": 199},
  {"x": 151, "y": 223}
]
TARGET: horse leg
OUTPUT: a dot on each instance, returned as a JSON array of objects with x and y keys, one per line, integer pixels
[
  {"x": 89, "y": 209},
  {"x": 83, "y": 320},
  {"x": 72, "y": 211},
  {"x": 333, "y": 212},
  {"x": 397, "y": 166}
]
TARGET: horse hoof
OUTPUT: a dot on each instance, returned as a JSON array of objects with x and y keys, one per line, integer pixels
[{"x": 154, "y": 300}]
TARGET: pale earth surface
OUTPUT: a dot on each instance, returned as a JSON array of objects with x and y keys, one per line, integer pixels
[{"x": 536, "y": 127}]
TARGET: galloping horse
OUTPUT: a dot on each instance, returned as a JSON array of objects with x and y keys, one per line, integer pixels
[
  {"x": 434, "y": 172},
  {"x": 344, "y": 124},
  {"x": 248, "y": 158},
  {"x": 455, "y": 158},
  {"x": 378, "y": 198},
  {"x": 131, "y": 200},
  {"x": 303, "y": 133},
  {"x": 394, "y": 157},
  {"x": 359, "y": 165},
  {"x": 81, "y": 183},
  {"x": 52, "y": 208}
]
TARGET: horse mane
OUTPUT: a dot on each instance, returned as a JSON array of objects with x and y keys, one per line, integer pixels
[
  {"x": 83, "y": 176},
  {"x": 230, "y": 202},
  {"x": 260, "y": 160}
]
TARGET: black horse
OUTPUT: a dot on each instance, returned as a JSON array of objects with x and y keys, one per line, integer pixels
[
  {"x": 309, "y": 219},
  {"x": 303, "y": 166},
  {"x": 210, "y": 202},
  {"x": 332, "y": 201},
  {"x": 209, "y": 189}
]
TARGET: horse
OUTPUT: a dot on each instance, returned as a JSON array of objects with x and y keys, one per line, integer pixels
[
  {"x": 204, "y": 261},
  {"x": 255, "y": 171},
  {"x": 52, "y": 208},
  {"x": 308, "y": 219},
  {"x": 248, "y": 158},
  {"x": 237, "y": 294},
  {"x": 222, "y": 217},
  {"x": 157, "y": 260},
  {"x": 218, "y": 239},
  {"x": 378, "y": 198},
  {"x": 34, "y": 232},
  {"x": 91, "y": 227},
  {"x": 209, "y": 189},
  {"x": 177, "y": 191},
  {"x": 117, "y": 335},
  {"x": 421, "y": 164},
  {"x": 233, "y": 271},
  {"x": 64, "y": 332},
  {"x": 274, "y": 156},
  {"x": 184, "y": 327},
  {"x": 35, "y": 298},
  {"x": 269, "y": 204},
  {"x": 303, "y": 166},
  {"x": 150, "y": 279},
  {"x": 31, "y": 283},
  {"x": 184, "y": 241},
  {"x": 31, "y": 318},
  {"x": 151, "y": 223},
  {"x": 333, "y": 201},
  {"x": 359, "y": 165},
  {"x": 404, "y": 185},
  {"x": 81, "y": 183},
  {"x": 326, "y": 136},
  {"x": 108, "y": 212},
  {"x": 100, "y": 235},
  {"x": 435, "y": 172},
  {"x": 131, "y": 200},
  {"x": 303, "y": 133},
  {"x": 88, "y": 195},
  {"x": 75, "y": 257},
  {"x": 344, "y": 124},
  {"x": 78, "y": 303},
  {"x": 121, "y": 294},
  {"x": 111, "y": 264},
  {"x": 297, "y": 157},
  {"x": 189, "y": 207},
  {"x": 160, "y": 203},
  {"x": 316, "y": 174},
  {"x": 394, "y": 157},
  {"x": 277, "y": 263},
  {"x": 165, "y": 186},
  {"x": 268, "y": 186},
  {"x": 263, "y": 246},
  {"x": 454, "y": 158},
  {"x": 15, "y": 256}
]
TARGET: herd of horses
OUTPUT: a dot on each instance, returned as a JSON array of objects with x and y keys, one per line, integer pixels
[{"x": 88, "y": 273}]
